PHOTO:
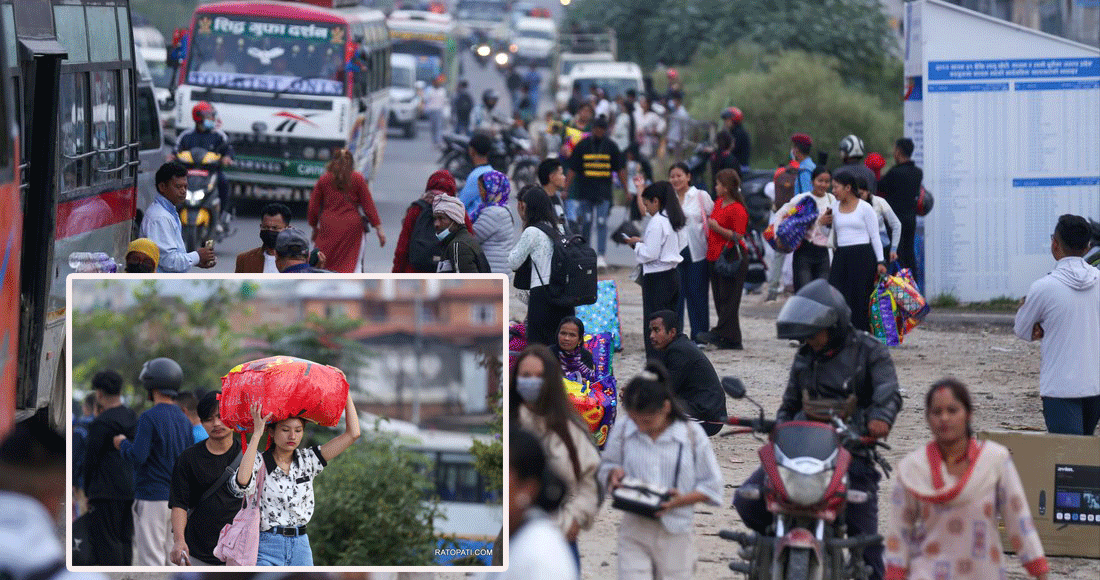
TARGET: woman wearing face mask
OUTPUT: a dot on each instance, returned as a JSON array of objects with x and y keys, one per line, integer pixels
[
  {"x": 949, "y": 495},
  {"x": 657, "y": 443},
  {"x": 811, "y": 259},
  {"x": 286, "y": 500},
  {"x": 572, "y": 356},
  {"x": 540, "y": 405},
  {"x": 535, "y": 244},
  {"x": 142, "y": 256},
  {"x": 693, "y": 269}
]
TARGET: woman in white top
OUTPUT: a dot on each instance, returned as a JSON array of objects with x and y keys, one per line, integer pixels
[
  {"x": 658, "y": 444},
  {"x": 693, "y": 269},
  {"x": 658, "y": 251},
  {"x": 858, "y": 248},
  {"x": 886, "y": 216},
  {"x": 811, "y": 259},
  {"x": 535, "y": 245}
]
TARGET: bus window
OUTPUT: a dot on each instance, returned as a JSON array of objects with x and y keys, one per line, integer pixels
[
  {"x": 8, "y": 15},
  {"x": 105, "y": 126},
  {"x": 71, "y": 32},
  {"x": 147, "y": 119},
  {"x": 103, "y": 29},
  {"x": 73, "y": 166},
  {"x": 124, "y": 32},
  {"x": 125, "y": 94}
]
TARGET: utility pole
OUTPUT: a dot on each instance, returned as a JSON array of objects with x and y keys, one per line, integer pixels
[{"x": 418, "y": 343}]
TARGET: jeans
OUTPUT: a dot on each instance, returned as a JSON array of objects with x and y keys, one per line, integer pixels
[
  {"x": 694, "y": 278},
  {"x": 862, "y": 518},
  {"x": 276, "y": 550},
  {"x": 810, "y": 263},
  {"x": 584, "y": 221},
  {"x": 775, "y": 271},
  {"x": 462, "y": 127},
  {"x": 435, "y": 120},
  {"x": 1071, "y": 416}
]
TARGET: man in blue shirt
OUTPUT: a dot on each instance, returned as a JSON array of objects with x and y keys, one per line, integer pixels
[
  {"x": 800, "y": 152},
  {"x": 480, "y": 146},
  {"x": 162, "y": 225},
  {"x": 162, "y": 433}
]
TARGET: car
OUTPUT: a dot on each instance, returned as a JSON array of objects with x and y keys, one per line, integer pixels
[
  {"x": 406, "y": 94},
  {"x": 615, "y": 78},
  {"x": 534, "y": 39}
]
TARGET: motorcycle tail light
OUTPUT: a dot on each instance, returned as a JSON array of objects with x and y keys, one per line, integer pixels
[{"x": 805, "y": 489}]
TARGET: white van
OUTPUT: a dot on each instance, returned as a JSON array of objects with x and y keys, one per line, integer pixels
[
  {"x": 406, "y": 98},
  {"x": 535, "y": 39},
  {"x": 615, "y": 78},
  {"x": 564, "y": 72}
]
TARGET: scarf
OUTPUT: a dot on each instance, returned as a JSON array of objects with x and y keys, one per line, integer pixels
[
  {"x": 496, "y": 191},
  {"x": 571, "y": 363},
  {"x": 924, "y": 474}
]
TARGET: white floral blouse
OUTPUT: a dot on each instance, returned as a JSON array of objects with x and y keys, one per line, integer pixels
[{"x": 287, "y": 498}]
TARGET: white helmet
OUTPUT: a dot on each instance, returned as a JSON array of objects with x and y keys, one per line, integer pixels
[{"x": 851, "y": 146}]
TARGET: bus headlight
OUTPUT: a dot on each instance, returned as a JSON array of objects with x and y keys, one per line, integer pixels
[
  {"x": 309, "y": 153},
  {"x": 323, "y": 153}
]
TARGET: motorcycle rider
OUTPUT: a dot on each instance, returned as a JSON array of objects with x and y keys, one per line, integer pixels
[
  {"x": 209, "y": 137},
  {"x": 483, "y": 118},
  {"x": 835, "y": 364}
]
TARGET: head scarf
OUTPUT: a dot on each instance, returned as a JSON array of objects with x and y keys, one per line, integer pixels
[
  {"x": 450, "y": 207},
  {"x": 497, "y": 188},
  {"x": 147, "y": 247},
  {"x": 442, "y": 181},
  {"x": 572, "y": 364}
]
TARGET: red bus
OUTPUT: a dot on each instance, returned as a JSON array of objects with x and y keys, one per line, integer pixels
[{"x": 70, "y": 75}]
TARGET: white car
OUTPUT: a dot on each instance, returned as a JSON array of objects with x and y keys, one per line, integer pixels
[
  {"x": 534, "y": 39},
  {"x": 406, "y": 96},
  {"x": 564, "y": 72},
  {"x": 615, "y": 78}
]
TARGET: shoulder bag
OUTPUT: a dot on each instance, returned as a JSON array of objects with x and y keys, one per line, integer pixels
[
  {"x": 230, "y": 471},
  {"x": 729, "y": 260},
  {"x": 239, "y": 542}
]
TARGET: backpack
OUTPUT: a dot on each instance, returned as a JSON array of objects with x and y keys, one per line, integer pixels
[
  {"x": 785, "y": 185},
  {"x": 424, "y": 248},
  {"x": 572, "y": 280},
  {"x": 464, "y": 105}
]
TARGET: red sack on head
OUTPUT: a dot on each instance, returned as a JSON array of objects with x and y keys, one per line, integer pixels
[{"x": 287, "y": 387}]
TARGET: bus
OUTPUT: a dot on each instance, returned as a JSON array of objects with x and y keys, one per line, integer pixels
[
  {"x": 292, "y": 82},
  {"x": 485, "y": 18},
  {"x": 430, "y": 38},
  {"x": 68, "y": 186}
]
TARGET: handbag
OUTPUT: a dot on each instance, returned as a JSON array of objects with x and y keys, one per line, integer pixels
[
  {"x": 638, "y": 497},
  {"x": 636, "y": 274},
  {"x": 239, "y": 541}
]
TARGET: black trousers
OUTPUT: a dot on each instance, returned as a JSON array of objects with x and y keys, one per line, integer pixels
[
  {"x": 543, "y": 317},
  {"x": 111, "y": 531},
  {"x": 861, "y": 518},
  {"x": 809, "y": 263},
  {"x": 853, "y": 273},
  {"x": 727, "y": 302},
  {"x": 906, "y": 254},
  {"x": 660, "y": 291}
]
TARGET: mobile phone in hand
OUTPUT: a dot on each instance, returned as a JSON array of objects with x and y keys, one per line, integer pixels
[{"x": 209, "y": 244}]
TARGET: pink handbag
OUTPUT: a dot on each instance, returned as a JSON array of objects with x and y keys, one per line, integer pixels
[{"x": 239, "y": 542}]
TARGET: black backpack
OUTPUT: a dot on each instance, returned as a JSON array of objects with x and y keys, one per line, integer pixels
[
  {"x": 424, "y": 247},
  {"x": 572, "y": 269}
]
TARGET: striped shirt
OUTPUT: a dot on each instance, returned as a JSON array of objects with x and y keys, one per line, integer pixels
[{"x": 654, "y": 461}]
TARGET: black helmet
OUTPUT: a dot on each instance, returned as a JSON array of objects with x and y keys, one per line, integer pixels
[
  {"x": 816, "y": 307},
  {"x": 162, "y": 374},
  {"x": 489, "y": 95}
]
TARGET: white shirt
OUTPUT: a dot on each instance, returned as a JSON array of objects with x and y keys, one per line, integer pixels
[
  {"x": 858, "y": 227},
  {"x": 603, "y": 108},
  {"x": 537, "y": 551},
  {"x": 659, "y": 249},
  {"x": 886, "y": 215},
  {"x": 535, "y": 243},
  {"x": 654, "y": 462},
  {"x": 1066, "y": 303},
  {"x": 435, "y": 98},
  {"x": 816, "y": 235},
  {"x": 697, "y": 207},
  {"x": 287, "y": 498},
  {"x": 269, "y": 264},
  {"x": 29, "y": 542},
  {"x": 161, "y": 224}
]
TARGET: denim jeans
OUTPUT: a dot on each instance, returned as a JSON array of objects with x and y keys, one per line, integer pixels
[
  {"x": 1071, "y": 416},
  {"x": 584, "y": 221},
  {"x": 276, "y": 550},
  {"x": 694, "y": 284}
]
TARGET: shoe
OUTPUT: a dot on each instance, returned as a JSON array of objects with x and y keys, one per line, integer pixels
[
  {"x": 772, "y": 296},
  {"x": 705, "y": 337},
  {"x": 601, "y": 263},
  {"x": 723, "y": 344}
]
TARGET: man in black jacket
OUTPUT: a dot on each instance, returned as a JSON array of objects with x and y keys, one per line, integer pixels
[
  {"x": 837, "y": 366},
  {"x": 693, "y": 378},
  {"x": 109, "y": 479},
  {"x": 901, "y": 187}
]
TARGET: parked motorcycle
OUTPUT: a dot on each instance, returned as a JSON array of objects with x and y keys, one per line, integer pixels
[
  {"x": 201, "y": 212},
  {"x": 511, "y": 155},
  {"x": 806, "y": 488}
]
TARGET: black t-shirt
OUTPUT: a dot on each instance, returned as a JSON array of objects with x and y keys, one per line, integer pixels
[
  {"x": 900, "y": 187},
  {"x": 196, "y": 470},
  {"x": 106, "y": 474},
  {"x": 594, "y": 162}
]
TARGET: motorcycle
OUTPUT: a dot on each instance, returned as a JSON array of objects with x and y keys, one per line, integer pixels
[
  {"x": 806, "y": 488},
  {"x": 201, "y": 212},
  {"x": 511, "y": 155}
]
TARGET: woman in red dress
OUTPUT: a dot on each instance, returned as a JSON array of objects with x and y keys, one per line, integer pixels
[{"x": 334, "y": 214}]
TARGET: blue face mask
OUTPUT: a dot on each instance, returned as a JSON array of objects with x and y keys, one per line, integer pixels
[
  {"x": 529, "y": 388},
  {"x": 208, "y": 124},
  {"x": 443, "y": 234}
]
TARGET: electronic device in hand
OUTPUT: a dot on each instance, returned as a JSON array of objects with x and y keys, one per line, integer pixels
[{"x": 636, "y": 496}]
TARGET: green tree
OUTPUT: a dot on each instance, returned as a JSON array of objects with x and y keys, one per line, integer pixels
[
  {"x": 321, "y": 340},
  {"x": 371, "y": 508},
  {"x": 489, "y": 455},
  {"x": 196, "y": 334}
]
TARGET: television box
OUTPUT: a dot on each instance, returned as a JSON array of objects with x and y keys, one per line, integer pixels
[{"x": 1061, "y": 477}]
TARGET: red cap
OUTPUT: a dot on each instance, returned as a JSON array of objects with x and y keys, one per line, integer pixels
[
  {"x": 802, "y": 139},
  {"x": 672, "y": 73},
  {"x": 442, "y": 180}
]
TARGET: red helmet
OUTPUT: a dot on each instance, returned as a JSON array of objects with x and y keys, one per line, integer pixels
[
  {"x": 733, "y": 113},
  {"x": 672, "y": 74},
  {"x": 200, "y": 110}
]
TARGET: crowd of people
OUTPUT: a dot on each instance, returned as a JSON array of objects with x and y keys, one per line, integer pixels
[{"x": 159, "y": 487}]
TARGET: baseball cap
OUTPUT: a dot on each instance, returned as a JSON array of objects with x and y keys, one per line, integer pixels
[
  {"x": 600, "y": 123},
  {"x": 802, "y": 139},
  {"x": 292, "y": 242}
]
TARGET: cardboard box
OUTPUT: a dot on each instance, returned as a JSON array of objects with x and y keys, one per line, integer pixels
[{"x": 1061, "y": 477}]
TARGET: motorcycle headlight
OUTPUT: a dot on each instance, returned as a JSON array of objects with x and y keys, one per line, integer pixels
[
  {"x": 502, "y": 58},
  {"x": 805, "y": 488},
  {"x": 309, "y": 153},
  {"x": 195, "y": 196},
  {"x": 484, "y": 50}
]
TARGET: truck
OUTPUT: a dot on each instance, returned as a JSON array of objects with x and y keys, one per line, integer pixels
[{"x": 574, "y": 48}]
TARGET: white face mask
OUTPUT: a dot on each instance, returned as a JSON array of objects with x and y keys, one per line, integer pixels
[
  {"x": 529, "y": 388},
  {"x": 443, "y": 234}
]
